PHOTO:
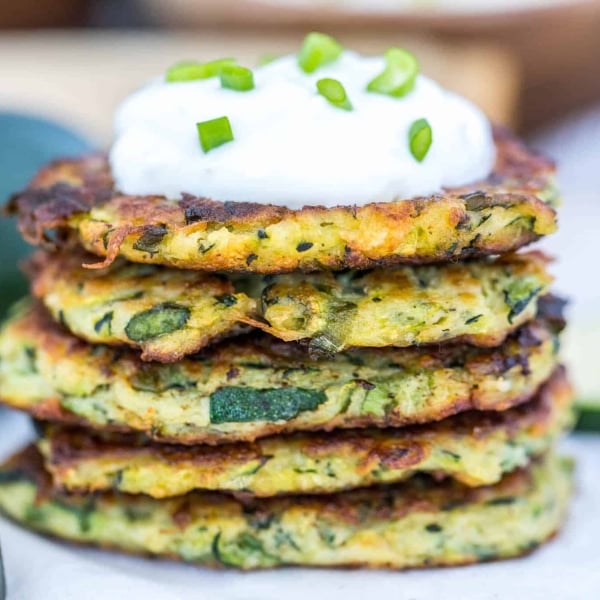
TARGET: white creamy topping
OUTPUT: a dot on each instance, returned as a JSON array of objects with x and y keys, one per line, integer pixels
[{"x": 293, "y": 148}]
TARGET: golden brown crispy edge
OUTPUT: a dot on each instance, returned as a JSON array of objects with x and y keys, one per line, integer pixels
[
  {"x": 49, "y": 209},
  {"x": 396, "y": 448}
]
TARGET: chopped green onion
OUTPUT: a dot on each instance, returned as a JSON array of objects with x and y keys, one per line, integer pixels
[
  {"x": 234, "y": 77},
  {"x": 420, "y": 138},
  {"x": 317, "y": 50},
  {"x": 334, "y": 92},
  {"x": 192, "y": 70},
  {"x": 214, "y": 133},
  {"x": 399, "y": 76}
]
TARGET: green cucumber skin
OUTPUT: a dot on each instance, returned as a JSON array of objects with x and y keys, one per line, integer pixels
[
  {"x": 243, "y": 405},
  {"x": 588, "y": 419},
  {"x": 159, "y": 320}
]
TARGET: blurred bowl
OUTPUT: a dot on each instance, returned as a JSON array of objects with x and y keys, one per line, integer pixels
[
  {"x": 445, "y": 15},
  {"x": 42, "y": 13}
]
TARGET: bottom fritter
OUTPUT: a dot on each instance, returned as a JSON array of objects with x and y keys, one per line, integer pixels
[{"x": 415, "y": 524}]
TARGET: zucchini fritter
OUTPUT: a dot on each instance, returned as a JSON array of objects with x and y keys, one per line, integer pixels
[
  {"x": 475, "y": 448},
  {"x": 416, "y": 524},
  {"x": 256, "y": 386},
  {"x": 477, "y": 302},
  {"x": 77, "y": 199},
  {"x": 166, "y": 313},
  {"x": 171, "y": 313}
]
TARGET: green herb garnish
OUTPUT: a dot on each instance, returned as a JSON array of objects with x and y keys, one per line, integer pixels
[
  {"x": 192, "y": 70},
  {"x": 317, "y": 50},
  {"x": 334, "y": 92},
  {"x": 214, "y": 133},
  {"x": 399, "y": 76},
  {"x": 234, "y": 77},
  {"x": 419, "y": 139}
]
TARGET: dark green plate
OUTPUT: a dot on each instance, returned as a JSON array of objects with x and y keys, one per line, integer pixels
[
  {"x": 27, "y": 144},
  {"x": 589, "y": 416}
]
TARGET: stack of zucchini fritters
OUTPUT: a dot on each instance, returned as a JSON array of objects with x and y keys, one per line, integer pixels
[{"x": 250, "y": 386}]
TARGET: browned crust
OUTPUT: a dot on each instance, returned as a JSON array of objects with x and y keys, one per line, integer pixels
[
  {"x": 416, "y": 494},
  {"x": 49, "y": 209}
]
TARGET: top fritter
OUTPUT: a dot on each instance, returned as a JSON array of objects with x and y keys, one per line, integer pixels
[{"x": 325, "y": 160}]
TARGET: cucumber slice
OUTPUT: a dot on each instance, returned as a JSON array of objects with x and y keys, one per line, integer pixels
[
  {"x": 589, "y": 415},
  {"x": 581, "y": 346}
]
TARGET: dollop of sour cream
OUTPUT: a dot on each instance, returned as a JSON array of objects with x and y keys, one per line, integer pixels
[{"x": 292, "y": 147}]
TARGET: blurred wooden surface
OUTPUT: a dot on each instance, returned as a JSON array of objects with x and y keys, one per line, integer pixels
[
  {"x": 459, "y": 17},
  {"x": 556, "y": 43},
  {"x": 78, "y": 78},
  {"x": 42, "y": 13},
  {"x": 559, "y": 57}
]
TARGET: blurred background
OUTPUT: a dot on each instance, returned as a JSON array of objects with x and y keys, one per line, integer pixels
[{"x": 531, "y": 64}]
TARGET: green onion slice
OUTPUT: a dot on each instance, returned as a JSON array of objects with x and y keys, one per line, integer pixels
[
  {"x": 419, "y": 139},
  {"x": 214, "y": 133},
  {"x": 399, "y": 76},
  {"x": 191, "y": 70},
  {"x": 234, "y": 77},
  {"x": 317, "y": 50},
  {"x": 334, "y": 92}
]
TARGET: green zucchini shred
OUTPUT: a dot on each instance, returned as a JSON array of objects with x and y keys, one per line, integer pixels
[
  {"x": 243, "y": 405},
  {"x": 156, "y": 321}
]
